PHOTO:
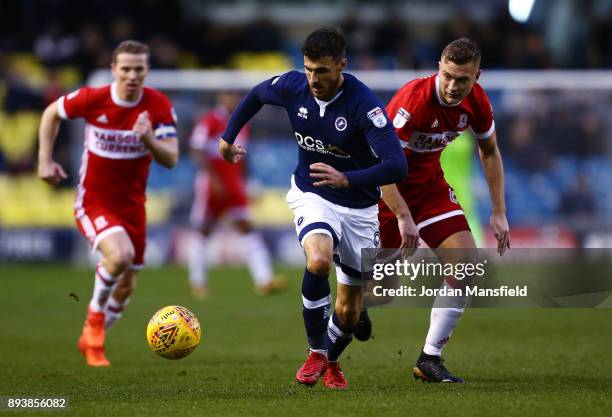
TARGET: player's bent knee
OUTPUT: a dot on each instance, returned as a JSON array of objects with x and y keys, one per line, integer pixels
[
  {"x": 319, "y": 265},
  {"x": 121, "y": 260}
]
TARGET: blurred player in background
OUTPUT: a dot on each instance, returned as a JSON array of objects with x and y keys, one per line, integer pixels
[
  {"x": 457, "y": 161},
  {"x": 428, "y": 113},
  {"x": 220, "y": 191},
  {"x": 347, "y": 148},
  {"x": 126, "y": 126}
]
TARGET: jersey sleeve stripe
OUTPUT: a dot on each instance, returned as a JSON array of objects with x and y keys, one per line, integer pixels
[
  {"x": 61, "y": 109},
  {"x": 487, "y": 134}
]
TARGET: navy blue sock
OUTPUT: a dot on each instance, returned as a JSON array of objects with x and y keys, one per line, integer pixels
[
  {"x": 338, "y": 338},
  {"x": 316, "y": 307}
]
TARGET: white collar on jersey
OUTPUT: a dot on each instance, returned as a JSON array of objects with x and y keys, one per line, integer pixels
[
  {"x": 440, "y": 100},
  {"x": 123, "y": 103},
  {"x": 323, "y": 104}
]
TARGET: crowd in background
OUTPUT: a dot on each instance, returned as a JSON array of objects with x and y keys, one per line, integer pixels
[
  {"x": 48, "y": 48},
  {"x": 83, "y": 34}
]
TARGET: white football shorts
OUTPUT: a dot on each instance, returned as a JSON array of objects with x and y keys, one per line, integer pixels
[{"x": 351, "y": 229}]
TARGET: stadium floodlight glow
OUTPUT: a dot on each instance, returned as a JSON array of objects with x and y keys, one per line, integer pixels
[{"x": 520, "y": 9}]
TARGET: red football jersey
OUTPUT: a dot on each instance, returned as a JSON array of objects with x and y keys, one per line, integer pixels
[
  {"x": 425, "y": 125},
  {"x": 208, "y": 130},
  {"x": 115, "y": 163},
  {"x": 205, "y": 138}
]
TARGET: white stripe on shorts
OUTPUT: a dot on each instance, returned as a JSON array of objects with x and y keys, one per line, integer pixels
[
  {"x": 104, "y": 234},
  {"x": 88, "y": 227},
  {"x": 438, "y": 218}
]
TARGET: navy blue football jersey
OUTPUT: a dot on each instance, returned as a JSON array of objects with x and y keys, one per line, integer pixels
[{"x": 342, "y": 133}]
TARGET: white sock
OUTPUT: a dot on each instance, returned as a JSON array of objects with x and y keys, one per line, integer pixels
[
  {"x": 258, "y": 258},
  {"x": 103, "y": 285},
  {"x": 441, "y": 325},
  {"x": 113, "y": 311},
  {"x": 444, "y": 317},
  {"x": 197, "y": 262}
]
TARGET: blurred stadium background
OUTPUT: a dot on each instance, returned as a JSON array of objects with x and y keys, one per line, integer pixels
[
  {"x": 547, "y": 72},
  {"x": 546, "y": 69}
]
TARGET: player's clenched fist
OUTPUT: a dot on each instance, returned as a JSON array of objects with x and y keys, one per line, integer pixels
[
  {"x": 51, "y": 172},
  {"x": 230, "y": 152},
  {"x": 143, "y": 126}
]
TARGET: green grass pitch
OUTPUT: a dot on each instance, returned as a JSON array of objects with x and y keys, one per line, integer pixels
[{"x": 517, "y": 362}]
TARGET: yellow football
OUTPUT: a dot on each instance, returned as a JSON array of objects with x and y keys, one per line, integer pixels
[{"x": 173, "y": 332}]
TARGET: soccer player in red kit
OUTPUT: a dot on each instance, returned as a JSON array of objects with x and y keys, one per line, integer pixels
[
  {"x": 126, "y": 126},
  {"x": 220, "y": 191},
  {"x": 428, "y": 113}
]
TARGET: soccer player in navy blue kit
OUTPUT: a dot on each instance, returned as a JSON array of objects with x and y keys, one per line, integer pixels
[{"x": 347, "y": 148}]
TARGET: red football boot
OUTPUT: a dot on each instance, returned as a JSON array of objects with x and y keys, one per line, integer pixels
[
  {"x": 91, "y": 342},
  {"x": 312, "y": 370},
  {"x": 334, "y": 377}
]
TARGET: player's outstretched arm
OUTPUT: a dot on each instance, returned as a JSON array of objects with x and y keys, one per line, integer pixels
[
  {"x": 49, "y": 170},
  {"x": 164, "y": 151},
  {"x": 408, "y": 230},
  {"x": 263, "y": 93},
  {"x": 493, "y": 168}
]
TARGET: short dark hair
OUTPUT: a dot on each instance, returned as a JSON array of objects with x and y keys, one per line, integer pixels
[
  {"x": 461, "y": 51},
  {"x": 131, "y": 47},
  {"x": 325, "y": 42}
]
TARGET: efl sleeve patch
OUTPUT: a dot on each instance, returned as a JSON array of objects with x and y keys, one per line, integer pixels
[
  {"x": 377, "y": 116},
  {"x": 401, "y": 118}
]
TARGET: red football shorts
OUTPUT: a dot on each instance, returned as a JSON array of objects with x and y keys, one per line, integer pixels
[
  {"x": 435, "y": 211},
  {"x": 219, "y": 191},
  {"x": 96, "y": 222}
]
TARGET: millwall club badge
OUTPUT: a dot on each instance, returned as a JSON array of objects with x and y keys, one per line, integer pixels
[
  {"x": 341, "y": 124},
  {"x": 377, "y": 116},
  {"x": 401, "y": 118}
]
